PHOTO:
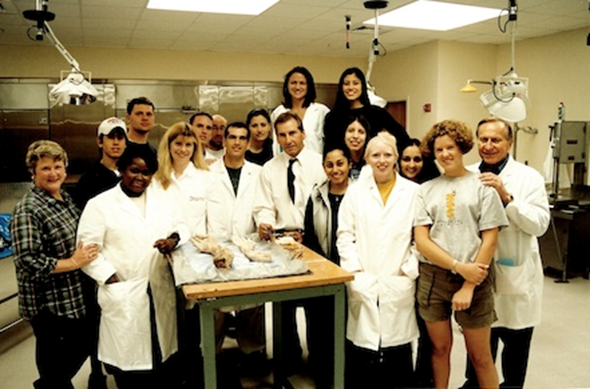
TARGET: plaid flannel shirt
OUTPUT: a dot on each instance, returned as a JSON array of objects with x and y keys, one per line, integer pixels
[{"x": 43, "y": 231}]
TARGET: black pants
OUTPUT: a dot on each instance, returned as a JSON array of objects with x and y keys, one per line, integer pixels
[
  {"x": 515, "y": 357},
  {"x": 320, "y": 339},
  {"x": 319, "y": 318},
  {"x": 389, "y": 367},
  {"x": 93, "y": 313},
  {"x": 62, "y": 346}
]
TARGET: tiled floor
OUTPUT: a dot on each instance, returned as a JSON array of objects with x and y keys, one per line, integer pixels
[{"x": 560, "y": 353}]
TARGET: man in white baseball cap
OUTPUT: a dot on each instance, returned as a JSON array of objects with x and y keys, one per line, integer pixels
[{"x": 111, "y": 138}]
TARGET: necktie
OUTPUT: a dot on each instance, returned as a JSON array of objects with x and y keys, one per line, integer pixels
[{"x": 291, "y": 180}]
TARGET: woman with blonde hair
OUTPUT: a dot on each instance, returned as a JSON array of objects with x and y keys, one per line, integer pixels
[
  {"x": 184, "y": 175},
  {"x": 374, "y": 242}
]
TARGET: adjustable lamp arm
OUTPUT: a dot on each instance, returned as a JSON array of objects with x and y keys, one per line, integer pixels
[{"x": 61, "y": 48}]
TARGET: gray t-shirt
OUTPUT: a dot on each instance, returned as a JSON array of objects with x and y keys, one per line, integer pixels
[{"x": 457, "y": 209}]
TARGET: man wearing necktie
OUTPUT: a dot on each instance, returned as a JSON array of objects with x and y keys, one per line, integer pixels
[{"x": 285, "y": 184}]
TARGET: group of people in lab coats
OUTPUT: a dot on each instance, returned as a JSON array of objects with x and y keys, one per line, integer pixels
[{"x": 421, "y": 246}]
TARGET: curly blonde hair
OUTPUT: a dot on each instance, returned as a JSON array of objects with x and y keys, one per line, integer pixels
[
  {"x": 164, "y": 173},
  {"x": 455, "y": 129}
]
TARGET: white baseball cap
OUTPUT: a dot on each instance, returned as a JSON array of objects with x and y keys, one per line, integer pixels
[{"x": 109, "y": 125}]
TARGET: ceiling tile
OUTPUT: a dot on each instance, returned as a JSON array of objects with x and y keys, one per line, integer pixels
[{"x": 309, "y": 27}]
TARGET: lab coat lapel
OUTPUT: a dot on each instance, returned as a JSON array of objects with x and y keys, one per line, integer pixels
[
  {"x": 508, "y": 169},
  {"x": 127, "y": 205},
  {"x": 245, "y": 180}
]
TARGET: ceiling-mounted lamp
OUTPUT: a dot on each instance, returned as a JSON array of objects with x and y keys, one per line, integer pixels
[
  {"x": 469, "y": 88},
  {"x": 508, "y": 98},
  {"x": 375, "y": 5},
  {"x": 74, "y": 87}
]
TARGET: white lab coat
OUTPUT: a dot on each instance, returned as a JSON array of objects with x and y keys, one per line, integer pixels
[
  {"x": 126, "y": 237},
  {"x": 231, "y": 214},
  {"x": 375, "y": 242},
  {"x": 519, "y": 288},
  {"x": 192, "y": 192}
]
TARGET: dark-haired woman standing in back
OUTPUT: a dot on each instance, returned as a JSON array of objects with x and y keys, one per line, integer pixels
[
  {"x": 299, "y": 96},
  {"x": 260, "y": 147},
  {"x": 352, "y": 98}
]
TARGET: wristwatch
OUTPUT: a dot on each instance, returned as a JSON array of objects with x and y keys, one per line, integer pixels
[{"x": 510, "y": 199}]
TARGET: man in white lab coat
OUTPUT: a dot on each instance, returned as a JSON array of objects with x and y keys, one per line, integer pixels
[
  {"x": 231, "y": 215},
  {"x": 285, "y": 184},
  {"x": 517, "y": 262}
]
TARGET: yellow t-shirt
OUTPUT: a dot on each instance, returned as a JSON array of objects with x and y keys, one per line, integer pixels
[{"x": 385, "y": 190}]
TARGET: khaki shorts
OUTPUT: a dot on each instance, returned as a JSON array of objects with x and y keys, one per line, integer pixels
[{"x": 436, "y": 287}]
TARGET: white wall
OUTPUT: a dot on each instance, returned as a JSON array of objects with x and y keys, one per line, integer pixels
[
  {"x": 44, "y": 61},
  {"x": 410, "y": 75},
  {"x": 558, "y": 68}
]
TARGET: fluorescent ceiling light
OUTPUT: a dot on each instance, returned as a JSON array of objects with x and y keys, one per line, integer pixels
[
  {"x": 236, "y": 7},
  {"x": 434, "y": 15}
]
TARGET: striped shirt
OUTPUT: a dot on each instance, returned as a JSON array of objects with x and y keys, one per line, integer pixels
[{"x": 43, "y": 231}]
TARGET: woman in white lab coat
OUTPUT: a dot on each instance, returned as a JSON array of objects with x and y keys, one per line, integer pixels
[
  {"x": 183, "y": 175},
  {"x": 374, "y": 241},
  {"x": 133, "y": 226},
  {"x": 299, "y": 97}
]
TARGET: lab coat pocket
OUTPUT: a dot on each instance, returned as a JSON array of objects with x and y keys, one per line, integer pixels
[
  {"x": 363, "y": 315},
  {"x": 512, "y": 280},
  {"x": 397, "y": 302},
  {"x": 124, "y": 335}
]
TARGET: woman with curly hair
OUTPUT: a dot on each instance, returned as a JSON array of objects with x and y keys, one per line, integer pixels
[{"x": 456, "y": 227}]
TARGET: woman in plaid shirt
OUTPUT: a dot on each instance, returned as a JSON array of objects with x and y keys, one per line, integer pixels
[{"x": 47, "y": 262}]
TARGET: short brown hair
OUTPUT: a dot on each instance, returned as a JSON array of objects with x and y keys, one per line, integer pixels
[
  {"x": 456, "y": 130},
  {"x": 44, "y": 148},
  {"x": 285, "y": 117}
]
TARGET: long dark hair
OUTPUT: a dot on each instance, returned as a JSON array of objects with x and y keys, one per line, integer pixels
[
  {"x": 342, "y": 103},
  {"x": 310, "y": 96},
  {"x": 429, "y": 169}
]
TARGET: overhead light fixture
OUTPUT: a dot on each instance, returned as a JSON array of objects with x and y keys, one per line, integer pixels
[
  {"x": 76, "y": 87},
  {"x": 469, "y": 88},
  {"x": 508, "y": 98},
  {"x": 73, "y": 89},
  {"x": 436, "y": 15},
  {"x": 235, "y": 7},
  {"x": 375, "y": 5}
]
